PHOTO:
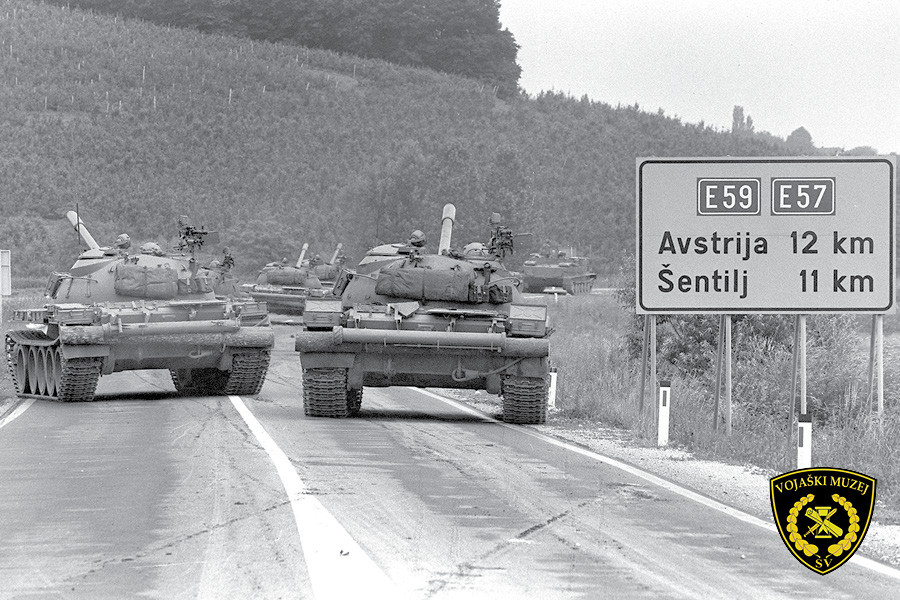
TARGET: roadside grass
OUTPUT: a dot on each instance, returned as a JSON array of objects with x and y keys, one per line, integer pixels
[{"x": 599, "y": 380}]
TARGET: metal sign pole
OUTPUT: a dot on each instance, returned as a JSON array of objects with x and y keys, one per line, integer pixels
[
  {"x": 871, "y": 379},
  {"x": 644, "y": 349},
  {"x": 727, "y": 374},
  {"x": 879, "y": 344},
  {"x": 792, "y": 408},
  {"x": 804, "y": 422},
  {"x": 802, "y": 363},
  {"x": 720, "y": 351},
  {"x": 653, "y": 356}
]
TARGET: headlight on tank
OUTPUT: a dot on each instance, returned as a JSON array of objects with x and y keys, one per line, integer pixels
[{"x": 527, "y": 320}]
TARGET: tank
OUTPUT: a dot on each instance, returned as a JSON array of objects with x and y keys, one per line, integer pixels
[
  {"x": 120, "y": 309},
  {"x": 285, "y": 288},
  {"x": 447, "y": 319},
  {"x": 555, "y": 271}
]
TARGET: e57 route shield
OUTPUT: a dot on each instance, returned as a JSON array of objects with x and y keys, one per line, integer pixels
[{"x": 822, "y": 514}]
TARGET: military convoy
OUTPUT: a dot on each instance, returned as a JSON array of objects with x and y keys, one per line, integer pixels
[
  {"x": 450, "y": 319},
  {"x": 119, "y": 310},
  {"x": 455, "y": 318},
  {"x": 555, "y": 271},
  {"x": 285, "y": 288}
]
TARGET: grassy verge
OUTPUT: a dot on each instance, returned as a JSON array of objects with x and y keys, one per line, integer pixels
[{"x": 599, "y": 380}]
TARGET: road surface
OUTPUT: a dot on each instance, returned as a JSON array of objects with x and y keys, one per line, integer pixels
[{"x": 143, "y": 493}]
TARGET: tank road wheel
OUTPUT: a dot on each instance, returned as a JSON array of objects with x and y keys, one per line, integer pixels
[
  {"x": 325, "y": 393},
  {"x": 38, "y": 369},
  {"x": 199, "y": 382},
  {"x": 525, "y": 400},
  {"x": 23, "y": 386},
  {"x": 248, "y": 372},
  {"x": 354, "y": 401}
]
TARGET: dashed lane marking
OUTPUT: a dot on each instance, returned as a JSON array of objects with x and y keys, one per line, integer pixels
[
  {"x": 672, "y": 487},
  {"x": 338, "y": 568}
]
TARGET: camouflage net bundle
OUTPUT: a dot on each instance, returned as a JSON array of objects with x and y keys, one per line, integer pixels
[
  {"x": 159, "y": 283},
  {"x": 425, "y": 284},
  {"x": 287, "y": 276}
]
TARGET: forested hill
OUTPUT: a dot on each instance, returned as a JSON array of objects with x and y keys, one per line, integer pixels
[{"x": 275, "y": 145}]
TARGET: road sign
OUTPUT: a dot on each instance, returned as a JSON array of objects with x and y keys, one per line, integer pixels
[
  {"x": 765, "y": 235},
  {"x": 5, "y": 273}
]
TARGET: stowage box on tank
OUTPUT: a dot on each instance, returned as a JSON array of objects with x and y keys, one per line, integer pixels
[
  {"x": 447, "y": 319},
  {"x": 119, "y": 310}
]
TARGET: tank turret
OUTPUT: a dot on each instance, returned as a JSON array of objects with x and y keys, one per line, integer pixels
[
  {"x": 452, "y": 319},
  {"x": 118, "y": 309}
]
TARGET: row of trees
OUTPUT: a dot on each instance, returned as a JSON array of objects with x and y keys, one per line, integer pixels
[{"x": 463, "y": 37}]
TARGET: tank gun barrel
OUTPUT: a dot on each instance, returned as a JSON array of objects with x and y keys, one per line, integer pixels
[
  {"x": 302, "y": 254},
  {"x": 78, "y": 224},
  {"x": 447, "y": 220},
  {"x": 337, "y": 251}
]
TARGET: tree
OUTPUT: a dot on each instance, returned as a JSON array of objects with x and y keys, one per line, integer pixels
[
  {"x": 462, "y": 37},
  {"x": 800, "y": 141},
  {"x": 739, "y": 123}
]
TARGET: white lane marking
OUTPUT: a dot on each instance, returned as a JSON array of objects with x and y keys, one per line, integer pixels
[
  {"x": 338, "y": 567},
  {"x": 16, "y": 412},
  {"x": 714, "y": 504}
]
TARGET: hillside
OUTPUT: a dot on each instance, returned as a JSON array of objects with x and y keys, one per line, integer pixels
[{"x": 276, "y": 145}]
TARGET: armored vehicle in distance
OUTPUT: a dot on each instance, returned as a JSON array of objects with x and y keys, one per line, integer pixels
[
  {"x": 118, "y": 311},
  {"x": 285, "y": 288},
  {"x": 447, "y": 319},
  {"x": 554, "y": 271}
]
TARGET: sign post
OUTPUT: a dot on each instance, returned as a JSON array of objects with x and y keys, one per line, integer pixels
[
  {"x": 665, "y": 406},
  {"x": 5, "y": 278},
  {"x": 804, "y": 441}
]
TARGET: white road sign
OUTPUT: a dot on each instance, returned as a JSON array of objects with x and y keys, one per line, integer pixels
[
  {"x": 5, "y": 273},
  {"x": 765, "y": 235}
]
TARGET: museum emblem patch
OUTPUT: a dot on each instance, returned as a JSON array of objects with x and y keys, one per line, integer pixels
[{"x": 822, "y": 514}]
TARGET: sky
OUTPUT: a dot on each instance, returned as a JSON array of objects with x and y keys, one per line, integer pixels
[{"x": 830, "y": 66}]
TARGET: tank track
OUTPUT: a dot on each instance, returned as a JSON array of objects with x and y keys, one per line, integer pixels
[
  {"x": 65, "y": 380},
  {"x": 525, "y": 400},
  {"x": 248, "y": 372},
  {"x": 325, "y": 393},
  {"x": 246, "y": 377},
  {"x": 354, "y": 401}
]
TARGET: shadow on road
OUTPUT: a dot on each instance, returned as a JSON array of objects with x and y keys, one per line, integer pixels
[
  {"x": 137, "y": 396},
  {"x": 415, "y": 415}
]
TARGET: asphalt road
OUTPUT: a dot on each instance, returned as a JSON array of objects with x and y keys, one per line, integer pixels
[{"x": 145, "y": 494}]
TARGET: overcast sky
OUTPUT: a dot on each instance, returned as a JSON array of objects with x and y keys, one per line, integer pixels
[{"x": 831, "y": 66}]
